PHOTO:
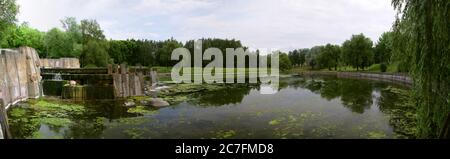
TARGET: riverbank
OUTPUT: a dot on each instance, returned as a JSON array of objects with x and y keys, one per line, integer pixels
[{"x": 399, "y": 78}]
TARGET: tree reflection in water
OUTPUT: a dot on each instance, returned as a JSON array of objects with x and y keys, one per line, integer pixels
[{"x": 356, "y": 95}]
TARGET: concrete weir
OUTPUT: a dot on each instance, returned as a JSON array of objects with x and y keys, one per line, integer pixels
[
  {"x": 19, "y": 79},
  {"x": 60, "y": 63},
  {"x": 118, "y": 81}
]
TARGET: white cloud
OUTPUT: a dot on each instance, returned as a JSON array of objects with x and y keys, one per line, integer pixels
[{"x": 258, "y": 23}]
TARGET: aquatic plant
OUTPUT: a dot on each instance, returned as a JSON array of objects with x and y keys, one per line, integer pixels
[{"x": 142, "y": 110}]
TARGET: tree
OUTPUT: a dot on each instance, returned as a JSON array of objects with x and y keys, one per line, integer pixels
[
  {"x": 166, "y": 50},
  {"x": 91, "y": 30},
  {"x": 8, "y": 12},
  {"x": 302, "y": 59},
  {"x": 73, "y": 35},
  {"x": 424, "y": 26},
  {"x": 383, "y": 49},
  {"x": 23, "y": 35},
  {"x": 94, "y": 54},
  {"x": 95, "y": 46},
  {"x": 56, "y": 44},
  {"x": 311, "y": 57},
  {"x": 329, "y": 56},
  {"x": 121, "y": 51},
  {"x": 358, "y": 51},
  {"x": 294, "y": 56},
  {"x": 285, "y": 62}
]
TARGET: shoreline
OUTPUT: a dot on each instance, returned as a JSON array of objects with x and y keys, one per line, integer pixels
[{"x": 398, "y": 78}]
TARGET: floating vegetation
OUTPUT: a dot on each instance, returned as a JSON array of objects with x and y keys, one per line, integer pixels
[
  {"x": 224, "y": 134},
  {"x": 142, "y": 110},
  {"x": 400, "y": 107},
  {"x": 376, "y": 135},
  {"x": 56, "y": 122},
  {"x": 27, "y": 120},
  {"x": 58, "y": 109},
  {"x": 327, "y": 130},
  {"x": 293, "y": 125},
  {"x": 134, "y": 133},
  {"x": 274, "y": 122}
]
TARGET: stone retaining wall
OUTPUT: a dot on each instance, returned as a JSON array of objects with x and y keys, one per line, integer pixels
[
  {"x": 19, "y": 75},
  {"x": 127, "y": 83},
  {"x": 19, "y": 80},
  {"x": 386, "y": 77},
  {"x": 4, "y": 128},
  {"x": 60, "y": 63}
]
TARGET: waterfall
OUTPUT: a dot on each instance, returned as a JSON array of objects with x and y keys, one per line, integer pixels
[
  {"x": 154, "y": 84},
  {"x": 57, "y": 77},
  {"x": 154, "y": 78}
]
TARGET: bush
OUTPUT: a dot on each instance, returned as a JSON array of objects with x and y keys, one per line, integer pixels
[
  {"x": 374, "y": 68},
  {"x": 90, "y": 66},
  {"x": 383, "y": 67}
]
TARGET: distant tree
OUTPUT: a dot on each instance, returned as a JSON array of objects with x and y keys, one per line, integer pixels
[
  {"x": 94, "y": 42},
  {"x": 302, "y": 58},
  {"x": 56, "y": 44},
  {"x": 24, "y": 35},
  {"x": 312, "y": 63},
  {"x": 294, "y": 56},
  {"x": 91, "y": 30},
  {"x": 221, "y": 44},
  {"x": 358, "y": 51},
  {"x": 73, "y": 35},
  {"x": 383, "y": 49},
  {"x": 311, "y": 57},
  {"x": 94, "y": 53},
  {"x": 166, "y": 50},
  {"x": 285, "y": 62},
  {"x": 8, "y": 12},
  {"x": 329, "y": 56}
]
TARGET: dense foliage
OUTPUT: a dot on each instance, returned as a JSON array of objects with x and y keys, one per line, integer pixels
[
  {"x": 358, "y": 51},
  {"x": 424, "y": 30},
  {"x": 329, "y": 56},
  {"x": 8, "y": 12}
]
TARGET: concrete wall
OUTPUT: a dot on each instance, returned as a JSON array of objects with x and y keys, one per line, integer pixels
[
  {"x": 61, "y": 63},
  {"x": 4, "y": 129},
  {"x": 127, "y": 84},
  {"x": 19, "y": 75},
  {"x": 386, "y": 77},
  {"x": 1, "y": 132},
  {"x": 19, "y": 80}
]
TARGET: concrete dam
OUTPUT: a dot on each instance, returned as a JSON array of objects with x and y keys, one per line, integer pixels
[{"x": 23, "y": 75}]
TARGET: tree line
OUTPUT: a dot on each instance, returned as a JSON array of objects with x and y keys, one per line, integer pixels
[
  {"x": 358, "y": 52},
  {"x": 85, "y": 40}
]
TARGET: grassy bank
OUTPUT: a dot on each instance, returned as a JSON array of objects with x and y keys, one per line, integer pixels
[{"x": 375, "y": 68}]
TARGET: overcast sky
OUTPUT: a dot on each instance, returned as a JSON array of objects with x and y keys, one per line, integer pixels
[{"x": 282, "y": 24}]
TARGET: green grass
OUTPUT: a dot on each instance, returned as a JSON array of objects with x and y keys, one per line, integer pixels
[
  {"x": 392, "y": 68},
  {"x": 375, "y": 68},
  {"x": 163, "y": 69}
]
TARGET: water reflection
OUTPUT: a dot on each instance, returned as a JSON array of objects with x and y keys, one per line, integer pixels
[
  {"x": 231, "y": 94},
  {"x": 301, "y": 108},
  {"x": 356, "y": 95}
]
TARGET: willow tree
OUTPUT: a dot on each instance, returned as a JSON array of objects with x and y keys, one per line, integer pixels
[{"x": 425, "y": 26}]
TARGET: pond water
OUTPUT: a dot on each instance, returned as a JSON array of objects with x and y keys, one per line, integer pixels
[{"x": 303, "y": 108}]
